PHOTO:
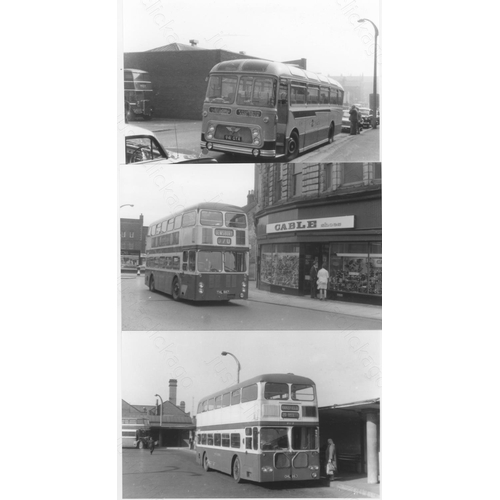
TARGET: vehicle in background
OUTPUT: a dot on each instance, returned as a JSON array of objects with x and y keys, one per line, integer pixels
[
  {"x": 366, "y": 114},
  {"x": 135, "y": 433},
  {"x": 138, "y": 94},
  {"x": 142, "y": 146},
  {"x": 266, "y": 109},
  {"x": 346, "y": 121}
]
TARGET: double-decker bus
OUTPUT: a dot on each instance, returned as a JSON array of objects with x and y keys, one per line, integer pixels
[
  {"x": 138, "y": 94},
  {"x": 264, "y": 429},
  {"x": 135, "y": 432},
  {"x": 200, "y": 253},
  {"x": 269, "y": 109}
]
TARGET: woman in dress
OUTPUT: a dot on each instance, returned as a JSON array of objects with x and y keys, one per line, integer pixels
[{"x": 322, "y": 282}]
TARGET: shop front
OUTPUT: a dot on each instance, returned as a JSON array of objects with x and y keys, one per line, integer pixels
[{"x": 349, "y": 245}]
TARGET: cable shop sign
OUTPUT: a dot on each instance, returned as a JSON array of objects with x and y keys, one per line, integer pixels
[{"x": 344, "y": 222}]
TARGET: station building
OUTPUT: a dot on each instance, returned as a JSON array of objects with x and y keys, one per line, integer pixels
[
  {"x": 169, "y": 424},
  {"x": 329, "y": 213}
]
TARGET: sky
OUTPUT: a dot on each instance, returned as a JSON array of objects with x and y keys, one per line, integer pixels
[
  {"x": 325, "y": 32},
  {"x": 157, "y": 192},
  {"x": 346, "y": 366}
]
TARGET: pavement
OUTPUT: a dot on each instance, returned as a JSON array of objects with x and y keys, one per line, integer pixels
[{"x": 305, "y": 302}]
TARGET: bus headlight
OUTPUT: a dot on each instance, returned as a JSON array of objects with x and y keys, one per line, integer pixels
[
  {"x": 266, "y": 119},
  {"x": 210, "y": 145},
  {"x": 314, "y": 475},
  {"x": 243, "y": 285},
  {"x": 314, "y": 467},
  {"x": 267, "y": 468},
  {"x": 205, "y": 113},
  {"x": 242, "y": 295},
  {"x": 211, "y": 129},
  {"x": 255, "y": 132},
  {"x": 201, "y": 286}
]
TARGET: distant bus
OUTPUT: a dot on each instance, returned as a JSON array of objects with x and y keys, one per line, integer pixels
[
  {"x": 200, "y": 253},
  {"x": 135, "y": 432},
  {"x": 269, "y": 109},
  {"x": 264, "y": 429},
  {"x": 138, "y": 94}
]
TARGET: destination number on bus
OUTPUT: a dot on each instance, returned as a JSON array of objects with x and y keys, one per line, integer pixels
[{"x": 223, "y": 241}]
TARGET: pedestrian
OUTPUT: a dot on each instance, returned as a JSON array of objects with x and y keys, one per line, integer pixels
[
  {"x": 353, "y": 118},
  {"x": 360, "y": 122},
  {"x": 313, "y": 276},
  {"x": 322, "y": 282},
  {"x": 331, "y": 459},
  {"x": 151, "y": 445}
]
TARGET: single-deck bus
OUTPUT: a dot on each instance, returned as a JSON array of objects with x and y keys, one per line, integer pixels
[
  {"x": 269, "y": 109},
  {"x": 264, "y": 429},
  {"x": 138, "y": 93},
  {"x": 200, "y": 253},
  {"x": 135, "y": 432}
]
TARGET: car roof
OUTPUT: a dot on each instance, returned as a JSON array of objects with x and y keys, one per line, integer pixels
[{"x": 132, "y": 130}]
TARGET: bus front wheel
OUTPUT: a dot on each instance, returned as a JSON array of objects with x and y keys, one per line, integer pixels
[
  {"x": 331, "y": 133},
  {"x": 293, "y": 147},
  {"x": 205, "y": 464},
  {"x": 151, "y": 284},
  {"x": 237, "y": 470},
  {"x": 176, "y": 289}
]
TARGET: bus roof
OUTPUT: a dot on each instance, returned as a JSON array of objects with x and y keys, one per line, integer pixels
[
  {"x": 289, "y": 378},
  {"x": 203, "y": 206},
  {"x": 135, "y": 70},
  {"x": 271, "y": 67}
]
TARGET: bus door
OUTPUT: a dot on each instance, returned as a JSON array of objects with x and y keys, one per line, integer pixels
[
  {"x": 283, "y": 105},
  {"x": 299, "y": 110}
]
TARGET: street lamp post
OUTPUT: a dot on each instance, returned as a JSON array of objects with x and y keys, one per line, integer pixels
[
  {"x": 161, "y": 407},
  {"x": 224, "y": 353},
  {"x": 375, "y": 100}
]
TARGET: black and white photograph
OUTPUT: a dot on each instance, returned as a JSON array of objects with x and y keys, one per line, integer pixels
[
  {"x": 250, "y": 415},
  {"x": 280, "y": 246},
  {"x": 260, "y": 81}
]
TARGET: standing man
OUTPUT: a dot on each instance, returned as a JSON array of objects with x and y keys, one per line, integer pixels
[
  {"x": 313, "y": 276},
  {"x": 353, "y": 118},
  {"x": 331, "y": 459},
  {"x": 151, "y": 445}
]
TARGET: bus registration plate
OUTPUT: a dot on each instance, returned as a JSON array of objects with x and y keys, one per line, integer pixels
[
  {"x": 232, "y": 138},
  {"x": 222, "y": 292}
]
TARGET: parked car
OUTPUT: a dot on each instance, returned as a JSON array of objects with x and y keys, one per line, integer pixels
[
  {"x": 366, "y": 114},
  {"x": 141, "y": 145},
  {"x": 346, "y": 122}
]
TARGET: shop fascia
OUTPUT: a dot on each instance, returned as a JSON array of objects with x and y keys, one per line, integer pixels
[{"x": 344, "y": 222}]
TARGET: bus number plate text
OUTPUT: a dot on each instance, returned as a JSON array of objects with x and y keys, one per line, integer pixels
[
  {"x": 222, "y": 292},
  {"x": 232, "y": 138}
]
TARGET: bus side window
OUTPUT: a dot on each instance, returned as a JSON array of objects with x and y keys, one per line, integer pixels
[
  {"x": 192, "y": 260},
  {"x": 184, "y": 260},
  {"x": 255, "y": 438},
  {"x": 248, "y": 438}
]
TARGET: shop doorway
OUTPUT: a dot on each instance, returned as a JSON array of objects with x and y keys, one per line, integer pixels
[{"x": 313, "y": 252}]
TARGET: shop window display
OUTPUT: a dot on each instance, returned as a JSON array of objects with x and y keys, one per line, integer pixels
[
  {"x": 356, "y": 268},
  {"x": 280, "y": 265}
]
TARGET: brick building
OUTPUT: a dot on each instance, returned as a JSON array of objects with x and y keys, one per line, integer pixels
[
  {"x": 329, "y": 213},
  {"x": 132, "y": 242}
]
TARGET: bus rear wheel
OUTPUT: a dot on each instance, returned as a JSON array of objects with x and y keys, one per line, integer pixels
[
  {"x": 176, "y": 289},
  {"x": 205, "y": 464},
  {"x": 331, "y": 133},
  {"x": 292, "y": 147},
  {"x": 237, "y": 470},
  {"x": 152, "y": 284}
]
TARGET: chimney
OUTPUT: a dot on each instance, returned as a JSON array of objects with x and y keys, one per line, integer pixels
[
  {"x": 183, "y": 406},
  {"x": 172, "y": 394},
  {"x": 250, "y": 197},
  {"x": 193, "y": 43}
]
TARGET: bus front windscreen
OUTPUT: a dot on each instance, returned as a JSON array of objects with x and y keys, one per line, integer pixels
[
  {"x": 221, "y": 89},
  {"x": 234, "y": 262},
  {"x": 274, "y": 438},
  {"x": 209, "y": 262},
  {"x": 304, "y": 438},
  {"x": 256, "y": 91}
]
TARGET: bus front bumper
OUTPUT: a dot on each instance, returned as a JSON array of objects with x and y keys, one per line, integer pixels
[{"x": 244, "y": 150}]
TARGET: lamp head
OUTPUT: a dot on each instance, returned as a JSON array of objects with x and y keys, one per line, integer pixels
[{"x": 224, "y": 353}]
